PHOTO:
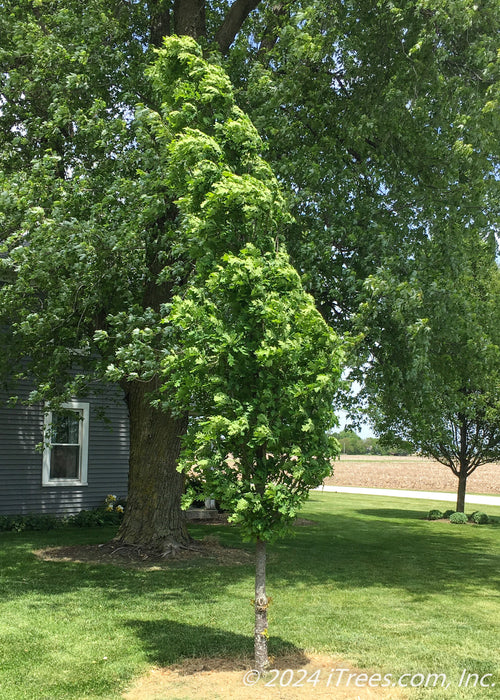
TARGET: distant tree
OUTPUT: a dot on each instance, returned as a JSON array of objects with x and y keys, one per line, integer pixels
[
  {"x": 371, "y": 446},
  {"x": 433, "y": 379},
  {"x": 256, "y": 366},
  {"x": 353, "y": 444},
  {"x": 350, "y": 443}
]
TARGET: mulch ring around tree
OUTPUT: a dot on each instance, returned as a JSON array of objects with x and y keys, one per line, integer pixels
[{"x": 208, "y": 550}]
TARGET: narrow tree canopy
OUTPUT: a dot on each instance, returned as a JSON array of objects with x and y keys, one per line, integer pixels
[{"x": 257, "y": 367}]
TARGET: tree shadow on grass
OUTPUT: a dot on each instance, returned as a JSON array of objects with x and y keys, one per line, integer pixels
[
  {"x": 393, "y": 548},
  {"x": 51, "y": 579},
  {"x": 396, "y": 513},
  {"x": 391, "y": 513},
  {"x": 390, "y": 547},
  {"x": 168, "y": 641}
]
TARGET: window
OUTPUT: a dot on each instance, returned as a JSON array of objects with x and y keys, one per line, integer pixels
[{"x": 65, "y": 454}]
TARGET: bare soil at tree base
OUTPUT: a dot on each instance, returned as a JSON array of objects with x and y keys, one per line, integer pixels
[{"x": 225, "y": 679}]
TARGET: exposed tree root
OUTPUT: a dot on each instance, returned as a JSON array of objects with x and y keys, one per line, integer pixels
[{"x": 130, "y": 555}]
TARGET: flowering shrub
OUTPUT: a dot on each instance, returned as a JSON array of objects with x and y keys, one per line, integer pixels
[
  {"x": 113, "y": 505},
  {"x": 110, "y": 502}
]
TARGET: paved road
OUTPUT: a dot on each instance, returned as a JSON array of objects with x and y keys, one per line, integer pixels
[{"x": 402, "y": 493}]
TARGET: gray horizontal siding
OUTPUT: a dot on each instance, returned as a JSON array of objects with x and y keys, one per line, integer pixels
[{"x": 21, "y": 430}]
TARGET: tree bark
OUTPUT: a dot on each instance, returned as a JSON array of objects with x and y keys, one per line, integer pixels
[
  {"x": 236, "y": 15},
  {"x": 261, "y": 605},
  {"x": 189, "y": 18},
  {"x": 153, "y": 517},
  {"x": 159, "y": 19},
  {"x": 462, "y": 485}
]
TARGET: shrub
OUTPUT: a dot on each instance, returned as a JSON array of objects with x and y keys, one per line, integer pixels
[
  {"x": 194, "y": 490},
  {"x": 95, "y": 518},
  {"x": 458, "y": 518},
  {"x": 434, "y": 514},
  {"x": 20, "y": 523},
  {"x": 479, "y": 518},
  {"x": 12, "y": 523},
  {"x": 447, "y": 513},
  {"x": 42, "y": 522},
  {"x": 85, "y": 518}
]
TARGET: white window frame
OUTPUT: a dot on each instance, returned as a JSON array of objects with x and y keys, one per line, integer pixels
[{"x": 84, "y": 409}]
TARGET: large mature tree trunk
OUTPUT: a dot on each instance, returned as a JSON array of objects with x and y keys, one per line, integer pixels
[
  {"x": 153, "y": 516},
  {"x": 261, "y": 605},
  {"x": 189, "y": 17}
]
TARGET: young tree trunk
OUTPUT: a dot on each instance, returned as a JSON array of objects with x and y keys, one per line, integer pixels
[
  {"x": 463, "y": 465},
  {"x": 153, "y": 517},
  {"x": 462, "y": 485},
  {"x": 261, "y": 604}
]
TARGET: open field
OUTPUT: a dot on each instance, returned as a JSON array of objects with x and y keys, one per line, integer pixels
[
  {"x": 367, "y": 584},
  {"x": 417, "y": 473}
]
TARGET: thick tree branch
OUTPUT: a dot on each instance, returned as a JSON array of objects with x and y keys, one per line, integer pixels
[
  {"x": 159, "y": 21},
  {"x": 236, "y": 15},
  {"x": 189, "y": 18},
  {"x": 38, "y": 15}
]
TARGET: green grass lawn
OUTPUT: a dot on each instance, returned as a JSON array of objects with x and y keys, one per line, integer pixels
[{"x": 371, "y": 581}]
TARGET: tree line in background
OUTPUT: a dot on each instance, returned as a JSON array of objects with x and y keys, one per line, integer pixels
[{"x": 352, "y": 444}]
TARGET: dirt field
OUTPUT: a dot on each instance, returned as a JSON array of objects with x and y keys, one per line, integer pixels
[{"x": 414, "y": 473}]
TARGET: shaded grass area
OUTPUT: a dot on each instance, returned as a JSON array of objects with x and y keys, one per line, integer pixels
[{"x": 371, "y": 581}]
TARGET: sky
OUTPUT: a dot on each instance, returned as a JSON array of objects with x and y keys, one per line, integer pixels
[{"x": 364, "y": 432}]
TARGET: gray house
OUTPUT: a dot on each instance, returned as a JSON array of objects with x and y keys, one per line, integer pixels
[{"x": 65, "y": 461}]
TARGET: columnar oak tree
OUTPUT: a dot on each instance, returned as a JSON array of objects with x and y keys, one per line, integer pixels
[
  {"x": 257, "y": 368},
  {"x": 241, "y": 351}
]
